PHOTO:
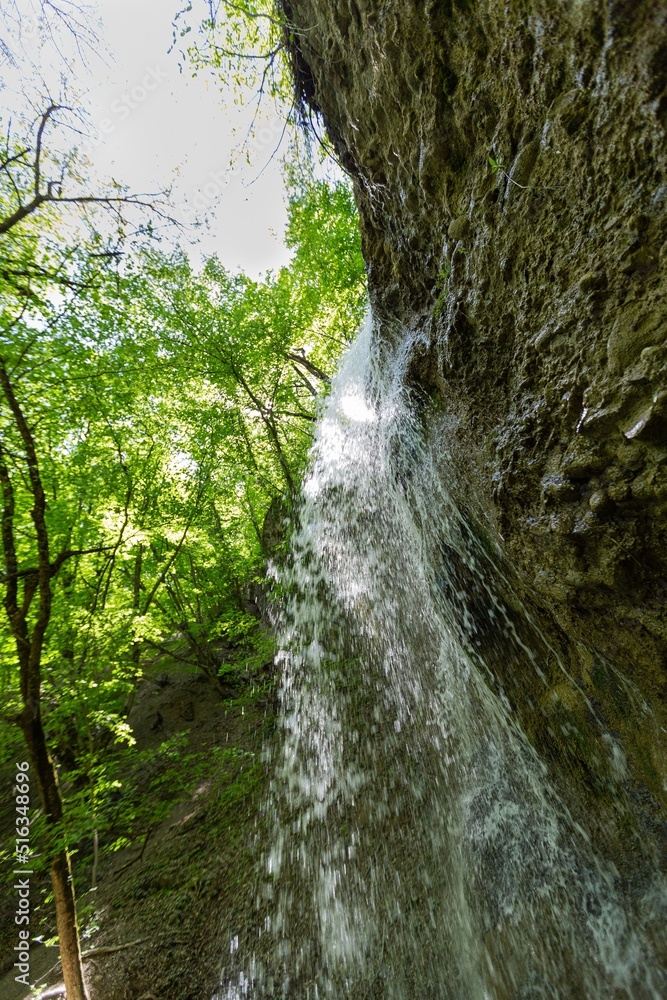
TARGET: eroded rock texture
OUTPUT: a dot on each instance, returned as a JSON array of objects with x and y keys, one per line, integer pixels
[{"x": 509, "y": 164}]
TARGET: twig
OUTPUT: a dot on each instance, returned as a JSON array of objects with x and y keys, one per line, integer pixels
[
  {"x": 111, "y": 950},
  {"x": 139, "y": 856},
  {"x": 524, "y": 187}
]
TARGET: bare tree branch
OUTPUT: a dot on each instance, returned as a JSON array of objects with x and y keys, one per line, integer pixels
[{"x": 51, "y": 191}]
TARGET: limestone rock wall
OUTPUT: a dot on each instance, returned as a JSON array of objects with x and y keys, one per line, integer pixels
[{"x": 509, "y": 160}]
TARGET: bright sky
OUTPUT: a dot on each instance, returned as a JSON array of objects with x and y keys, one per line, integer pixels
[{"x": 153, "y": 128}]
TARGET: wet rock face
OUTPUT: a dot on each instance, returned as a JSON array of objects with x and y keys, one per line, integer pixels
[{"x": 510, "y": 168}]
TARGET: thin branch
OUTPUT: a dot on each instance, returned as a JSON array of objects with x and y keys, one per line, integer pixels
[
  {"x": 49, "y": 197},
  {"x": 266, "y": 420},
  {"x": 111, "y": 950},
  {"x": 38, "y": 148},
  {"x": 304, "y": 381},
  {"x": 301, "y": 359},
  {"x": 5, "y": 164},
  {"x": 295, "y": 413},
  {"x": 56, "y": 564},
  {"x": 230, "y": 54},
  {"x": 161, "y": 578},
  {"x": 169, "y": 652}
]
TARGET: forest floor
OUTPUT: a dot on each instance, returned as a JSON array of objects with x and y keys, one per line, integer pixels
[{"x": 162, "y": 921}]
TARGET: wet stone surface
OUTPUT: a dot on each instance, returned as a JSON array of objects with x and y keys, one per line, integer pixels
[
  {"x": 538, "y": 285},
  {"x": 510, "y": 169}
]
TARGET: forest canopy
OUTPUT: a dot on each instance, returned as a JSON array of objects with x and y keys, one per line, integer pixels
[{"x": 155, "y": 422}]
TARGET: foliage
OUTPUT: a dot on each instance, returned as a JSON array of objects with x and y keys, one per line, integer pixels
[
  {"x": 154, "y": 426},
  {"x": 242, "y": 41},
  {"x": 171, "y": 412}
]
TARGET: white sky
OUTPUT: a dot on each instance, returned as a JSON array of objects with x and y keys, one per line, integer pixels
[{"x": 153, "y": 127}]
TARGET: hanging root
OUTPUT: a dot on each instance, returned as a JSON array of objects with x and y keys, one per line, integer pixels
[{"x": 304, "y": 83}]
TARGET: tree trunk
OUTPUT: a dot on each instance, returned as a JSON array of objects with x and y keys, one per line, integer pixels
[
  {"x": 61, "y": 870},
  {"x": 29, "y": 644},
  {"x": 68, "y": 931}
]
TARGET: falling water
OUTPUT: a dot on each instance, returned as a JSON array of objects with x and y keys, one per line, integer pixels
[{"x": 422, "y": 849}]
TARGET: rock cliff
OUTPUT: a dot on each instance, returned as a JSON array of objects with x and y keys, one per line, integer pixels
[{"x": 509, "y": 166}]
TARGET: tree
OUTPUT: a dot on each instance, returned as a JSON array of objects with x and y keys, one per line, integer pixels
[
  {"x": 42, "y": 277},
  {"x": 31, "y": 190},
  {"x": 150, "y": 419},
  {"x": 244, "y": 41},
  {"x": 29, "y": 615}
]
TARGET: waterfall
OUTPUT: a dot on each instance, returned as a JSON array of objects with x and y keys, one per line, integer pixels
[{"x": 422, "y": 848}]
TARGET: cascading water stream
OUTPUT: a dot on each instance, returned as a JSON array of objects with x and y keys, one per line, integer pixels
[{"x": 421, "y": 849}]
